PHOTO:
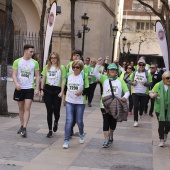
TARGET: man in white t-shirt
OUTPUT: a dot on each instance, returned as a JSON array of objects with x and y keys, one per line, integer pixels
[{"x": 23, "y": 71}]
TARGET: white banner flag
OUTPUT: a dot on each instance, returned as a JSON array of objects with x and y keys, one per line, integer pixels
[
  {"x": 49, "y": 30},
  {"x": 163, "y": 43}
]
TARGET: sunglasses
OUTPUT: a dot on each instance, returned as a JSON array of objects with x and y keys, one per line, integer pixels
[
  {"x": 167, "y": 78},
  {"x": 152, "y": 67},
  {"x": 53, "y": 58},
  {"x": 129, "y": 68},
  {"x": 141, "y": 64},
  {"x": 73, "y": 67}
]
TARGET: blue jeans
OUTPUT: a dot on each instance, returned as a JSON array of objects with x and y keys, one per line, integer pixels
[{"x": 79, "y": 110}]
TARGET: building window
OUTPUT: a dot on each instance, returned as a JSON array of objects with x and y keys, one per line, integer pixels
[
  {"x": 144, "y": 26},
  {"x": 137, "y": 6}
]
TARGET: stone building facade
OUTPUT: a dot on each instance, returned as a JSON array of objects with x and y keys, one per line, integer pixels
[{"x": 102, "y": 18}]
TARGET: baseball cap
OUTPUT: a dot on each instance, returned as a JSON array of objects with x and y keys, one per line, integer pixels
[
  {"x": 112, "y": 66},
  {"x": 142, "y": 61}
]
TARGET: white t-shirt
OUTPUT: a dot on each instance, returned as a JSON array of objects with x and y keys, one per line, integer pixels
[
  {"x": 26, "y": 69},
  {"x": 140, "y": 77},
  {"x": 75, "y": 84}
]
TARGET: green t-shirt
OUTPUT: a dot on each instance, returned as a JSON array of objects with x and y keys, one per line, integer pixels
[
  {"x": 91, "y": 74},
  {"x": 156, "y": 89},
  {"x": 54, "y": 75}
]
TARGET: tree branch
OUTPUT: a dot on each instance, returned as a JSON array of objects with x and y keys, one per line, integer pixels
[
  {"x": 147, "y": 5},
  {"x": 165, "y": 4},
  {"x": 153, "y": 10}
]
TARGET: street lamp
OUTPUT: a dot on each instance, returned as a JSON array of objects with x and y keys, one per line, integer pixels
[
  {"x": 115, "y": 29},
  {"x": 128, "y": 46},
  {"x": 84, "y": 19},
  {"x": 124, "y": 39}
]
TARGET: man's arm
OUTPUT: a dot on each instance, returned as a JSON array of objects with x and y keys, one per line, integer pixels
[
  {"x": 37, "y": 76},
  {"x": 14, "y": 76}
]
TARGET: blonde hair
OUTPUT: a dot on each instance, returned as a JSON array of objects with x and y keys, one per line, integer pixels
[
  {"x": 93, "y": 59},
  {"x": 165, "y": 74},
  {"x": 79, "y": 63},
  {"x": 57, "y": 65}
]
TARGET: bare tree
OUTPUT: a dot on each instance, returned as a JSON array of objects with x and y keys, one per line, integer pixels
[
  {"x": 164, "y": 15},
  {"x": 5, "y": 51},
  {"x": 41, "y": 33}
]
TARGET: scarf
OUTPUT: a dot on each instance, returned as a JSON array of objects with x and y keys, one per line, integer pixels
[
  {"x": 112, "y": 78},
  {"x": 162, "y": 104}
]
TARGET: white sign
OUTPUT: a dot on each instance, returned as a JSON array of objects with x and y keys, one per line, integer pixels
[
  {"x": 49, "y": 30},
  {"x": 163, "y": 43}
]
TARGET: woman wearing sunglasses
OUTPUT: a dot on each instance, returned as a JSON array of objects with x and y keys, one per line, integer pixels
[
  {"x": 161, "y": 93},
  {"x": 140, "y": 80},
  {"x": 76, "y": 88},
  {"x": 111, "y": 80},
  {"x": 126, "y": 77},
  {"x": 53, "y": 76}
]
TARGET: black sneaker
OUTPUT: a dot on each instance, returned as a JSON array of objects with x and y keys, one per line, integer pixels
[
  {"x": 50, "y": 134},
  {"x": 20, "y": 130},
  {"x": 110, "y": 138},
  {"x": 55, "y": 127},
  {"x": 106, "y": 144},
  {"x": 150, "y": 114},
  {"x": 89, "y": 104},
  {"x": 24, "y": 132}
]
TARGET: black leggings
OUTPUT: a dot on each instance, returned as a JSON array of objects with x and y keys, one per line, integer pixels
[
  {"x": 164, "y": 127},
  {"x": 138, "y": 105},
  {"x": 92, "y": 88},
  {"x": 53, "y": 104},
  {"x": 108, "y": 121}
]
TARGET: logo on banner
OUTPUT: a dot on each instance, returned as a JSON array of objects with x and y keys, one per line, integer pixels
[
  {"x": 161, "y": 34},
  {"x": 51, "y": 19}
]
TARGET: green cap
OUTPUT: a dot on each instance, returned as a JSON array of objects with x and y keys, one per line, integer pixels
[{"x": 112, "y": 66}]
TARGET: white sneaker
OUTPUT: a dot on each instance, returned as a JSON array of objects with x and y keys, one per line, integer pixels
[
  {"x": 140, "y": 117},
  {"x": 165, "y": 137},
  {"x": 82, "y": 138},
  {"x": 135, "y": 124},
  {"x": 162, "y": 143},
  {"x": 65, "y": 145}
]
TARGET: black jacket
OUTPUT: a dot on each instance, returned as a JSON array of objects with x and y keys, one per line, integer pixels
[{"x": 156, "y": 77}]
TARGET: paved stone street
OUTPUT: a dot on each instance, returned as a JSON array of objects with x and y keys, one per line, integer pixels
[{"x": 132, "y": 149}]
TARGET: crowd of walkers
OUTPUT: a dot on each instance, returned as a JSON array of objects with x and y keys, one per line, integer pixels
[{"x": 124, "y": 89}]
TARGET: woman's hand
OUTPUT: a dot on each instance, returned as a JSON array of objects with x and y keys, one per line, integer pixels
[
  {"x": 79, "y": 93},
  {"x": 123, "y": 99},
  {"x": 134, "y": 83},
  {"x": 60, "y": 94},
  {"x": 18, "y": 87}
]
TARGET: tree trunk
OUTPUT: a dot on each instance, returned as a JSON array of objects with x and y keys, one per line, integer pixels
[
  {"x": 72, "y": 24},
  {"x": 5, "y": 51},
  {"x": 41, "y": 33}
]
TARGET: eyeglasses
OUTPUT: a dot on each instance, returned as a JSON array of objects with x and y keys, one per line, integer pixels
[
  {"x": 54, "y": 58},
  {"x": 129, "y": 68},
  {"x": 167, "y": 78},
  {"x": 73, "y": 67},
  {"x": 141, "y": 64}
]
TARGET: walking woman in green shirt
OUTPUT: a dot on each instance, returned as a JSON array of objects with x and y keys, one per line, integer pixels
[{"x": 161, "y": 93}]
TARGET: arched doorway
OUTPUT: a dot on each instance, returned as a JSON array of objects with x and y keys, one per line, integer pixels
[{"x": 2, "y": 33}]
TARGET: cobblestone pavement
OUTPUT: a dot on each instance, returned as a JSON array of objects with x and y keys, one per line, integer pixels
[{"x": 132, "y": 149}]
